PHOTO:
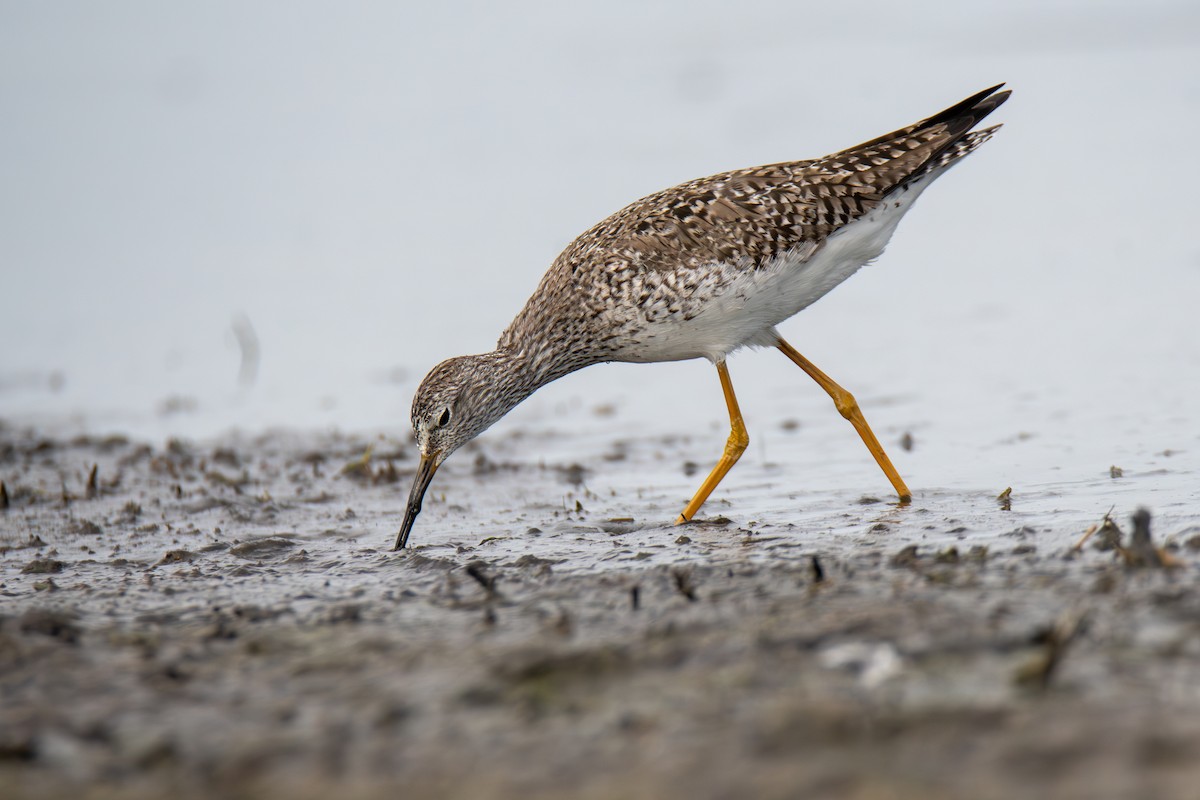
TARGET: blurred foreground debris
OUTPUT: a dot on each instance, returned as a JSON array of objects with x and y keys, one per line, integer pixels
[
  {"x": 478, "y": 572},
  {"x": 1108, "y": 535},
  {"x": 1141, "y": 552},
  {"x": 818, "y": 571},
  {"x": 1055, "y": 639},
  {"x": 91, "y": 490},
  {"x": 682, "y": 578}
]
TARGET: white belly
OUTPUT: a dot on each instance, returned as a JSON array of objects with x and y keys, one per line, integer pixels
[{"x": 742, "y": 306}]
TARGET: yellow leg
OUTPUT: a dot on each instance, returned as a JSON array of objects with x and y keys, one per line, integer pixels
[
  {"x": 737, "y": 443},
  {"x": 847, "y": 406}
]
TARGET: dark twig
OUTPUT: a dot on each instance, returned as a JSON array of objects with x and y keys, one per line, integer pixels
[
  {"x": 683, "y": 582},
  {"x": 488, "y": 582},
  {"x": 1054, "y": 640},
  {"x": 818, "y": 572}
]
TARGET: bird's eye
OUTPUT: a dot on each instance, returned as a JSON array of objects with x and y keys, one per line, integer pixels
[{"x": 444, "y": 419}]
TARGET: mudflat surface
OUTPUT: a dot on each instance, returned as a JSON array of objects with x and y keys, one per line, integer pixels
[{"x": 225, "y": 618}]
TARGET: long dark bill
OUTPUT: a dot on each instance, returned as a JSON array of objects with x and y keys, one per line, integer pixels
[{"x": 421, "y": 480}]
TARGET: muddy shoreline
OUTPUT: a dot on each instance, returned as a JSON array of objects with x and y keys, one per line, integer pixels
[{"x": 225, "y": 619}]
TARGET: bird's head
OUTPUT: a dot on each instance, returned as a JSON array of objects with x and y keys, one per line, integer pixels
[{"x": 458, "y": 400}]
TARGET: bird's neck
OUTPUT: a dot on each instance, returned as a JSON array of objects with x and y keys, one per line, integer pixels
[
  {"x": 512, "y": 377},
  {"x": 520, "y": 373}
]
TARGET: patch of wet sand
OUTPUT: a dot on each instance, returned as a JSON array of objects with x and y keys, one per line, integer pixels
[{"x": 226, "y": 619}]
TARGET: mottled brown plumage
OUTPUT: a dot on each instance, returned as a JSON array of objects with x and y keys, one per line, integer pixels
[
  {"x": 754, "y": 214},
  {"x": 697, "y": 270},
  {"x": 744, "y": 217}
]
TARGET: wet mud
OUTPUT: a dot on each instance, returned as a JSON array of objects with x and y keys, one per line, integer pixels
[{"x": 226, "y": 619}]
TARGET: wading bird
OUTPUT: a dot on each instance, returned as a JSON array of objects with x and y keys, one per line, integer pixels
[{"x": 698, "y": 271}]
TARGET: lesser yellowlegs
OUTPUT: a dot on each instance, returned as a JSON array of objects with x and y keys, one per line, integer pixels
[{"x": 698, "y": 271}]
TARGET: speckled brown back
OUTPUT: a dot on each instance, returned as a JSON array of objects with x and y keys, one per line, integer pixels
[
  {"x": 753, "y": 214},
  {"x": 662, "y": 257}
]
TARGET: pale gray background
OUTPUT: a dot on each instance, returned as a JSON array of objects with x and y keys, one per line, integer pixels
[{"x": 377, "y": 186}]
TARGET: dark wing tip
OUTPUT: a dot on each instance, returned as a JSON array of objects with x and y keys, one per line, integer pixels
[
  {"x": 961, "y": 117},
  {"x": 958, "y": 118}
]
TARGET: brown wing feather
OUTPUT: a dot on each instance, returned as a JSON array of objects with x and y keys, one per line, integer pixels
[{"x": 751, "y": 215}]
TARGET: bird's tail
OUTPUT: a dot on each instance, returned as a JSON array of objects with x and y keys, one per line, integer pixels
[
  {"x": 933, "y": 143},
  {"x": 951, "y": 123}
]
